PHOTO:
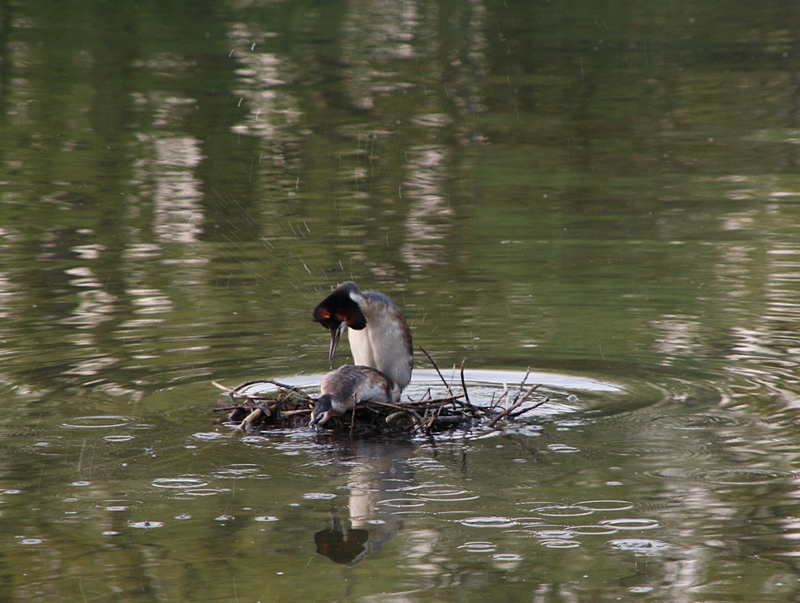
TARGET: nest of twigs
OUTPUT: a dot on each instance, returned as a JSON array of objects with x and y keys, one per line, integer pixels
[{"x": 289, "y": 407}]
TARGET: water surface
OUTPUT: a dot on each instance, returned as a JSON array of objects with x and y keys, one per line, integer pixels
[{"x": 605, "y": 194}]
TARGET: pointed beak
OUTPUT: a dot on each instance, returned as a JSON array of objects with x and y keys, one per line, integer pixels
[
  {"x": 336, "y": 332},
  {"x": 320, "y": 419}
]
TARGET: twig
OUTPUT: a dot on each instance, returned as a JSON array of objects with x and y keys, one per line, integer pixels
[
  {"x": 464, "y": 384},
  {"x": 513, "y": 407},
  {"x": 534, "y": 407},
  {"x": 300, "y": 411},
  {"x": 433, "y": 362},
  {"x": 522, "y": 384}
]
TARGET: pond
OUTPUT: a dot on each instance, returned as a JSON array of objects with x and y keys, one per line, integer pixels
[{"x": 607, "y": 195}]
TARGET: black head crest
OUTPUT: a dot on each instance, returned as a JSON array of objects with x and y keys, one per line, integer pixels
[{"x": 337, "y": 310}]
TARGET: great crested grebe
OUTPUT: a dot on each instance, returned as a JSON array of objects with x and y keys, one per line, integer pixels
[
  {"x": 378, "y": 331},
  {"x": 348, "y": 385}
]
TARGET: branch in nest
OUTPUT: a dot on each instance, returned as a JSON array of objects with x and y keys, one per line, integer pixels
[{"x": 513, "y": 407}]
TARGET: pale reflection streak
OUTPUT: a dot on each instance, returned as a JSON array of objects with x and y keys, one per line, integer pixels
[
  {"x": 95, "y": 307},
  {"x": 259, "y": 75},
  {"x": 428, "y": 212},
  {"x": 677, "y": 336},
  {"x": 376, "y": 32},
  {"x": 96, "y": 304},
  {"x": 178, "y": 214}
]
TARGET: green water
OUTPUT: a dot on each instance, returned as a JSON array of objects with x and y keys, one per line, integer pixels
[{"x": 605, "y": 193}]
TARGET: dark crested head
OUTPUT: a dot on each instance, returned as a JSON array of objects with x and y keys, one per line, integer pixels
[
  {"x": 322, "y": 411},
  {"x": 337, "y": 310}
]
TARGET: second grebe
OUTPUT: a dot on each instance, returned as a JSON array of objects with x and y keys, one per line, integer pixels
[
  {"x": 348, "y": 385},
  {"x": 378, "y": 331}
]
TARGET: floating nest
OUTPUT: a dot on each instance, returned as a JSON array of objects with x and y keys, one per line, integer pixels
[{"x": 289, "y": 407}]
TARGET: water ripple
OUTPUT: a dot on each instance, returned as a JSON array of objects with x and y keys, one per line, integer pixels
[
  {"x": 640, "y": 546},
  {"x": 560, "y": 544},
  {"x": 728, "y": 477},
  {"x": 178, "y": 482},
  {"x": 488, "y": 522},
  {"x": 240, "y": 470},
  {"x": 606, "y": 505},
  {"x": 118, "y": 438},
  {"x": 564, "y": 511},
  {"x": 630, "y": 524},
  {"x": 209, "y": 436},
  {"x": 479, "y": 547},
  {"x": 98, "y": 422}
]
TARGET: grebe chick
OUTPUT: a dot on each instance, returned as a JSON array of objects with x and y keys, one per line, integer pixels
[
  {"x": 347, "y": 386},
  {"x": 378, "y": 331}
]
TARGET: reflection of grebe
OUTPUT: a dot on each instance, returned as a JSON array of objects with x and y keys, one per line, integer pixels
[
  {"x": 378, "y": 331},
  {"x": 378, "y": 475},
  {"x": 348, "y": 385}
]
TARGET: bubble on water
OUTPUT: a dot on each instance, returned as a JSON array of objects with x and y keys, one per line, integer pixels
[
  {"x": 29, "y": 541},
  {"x": 146, "y": 525},
  {"x": 266, "y": 518}
]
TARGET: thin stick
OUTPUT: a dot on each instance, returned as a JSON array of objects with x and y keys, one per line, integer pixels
[
  {"x": 301, "y": 411},
  {"x": 522, "y": 384},
  {"x": 437, "y": 370},
  {"x": 513, "y": 407},
  {"x": 219, "y": 385},
  {"x": 431, "y": 400},
  {"x": 534, "y": 407},
  {"x": 464, "y": 383}
]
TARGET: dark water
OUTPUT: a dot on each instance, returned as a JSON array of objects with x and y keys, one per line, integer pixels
[{"x": 605, "y": 193}]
